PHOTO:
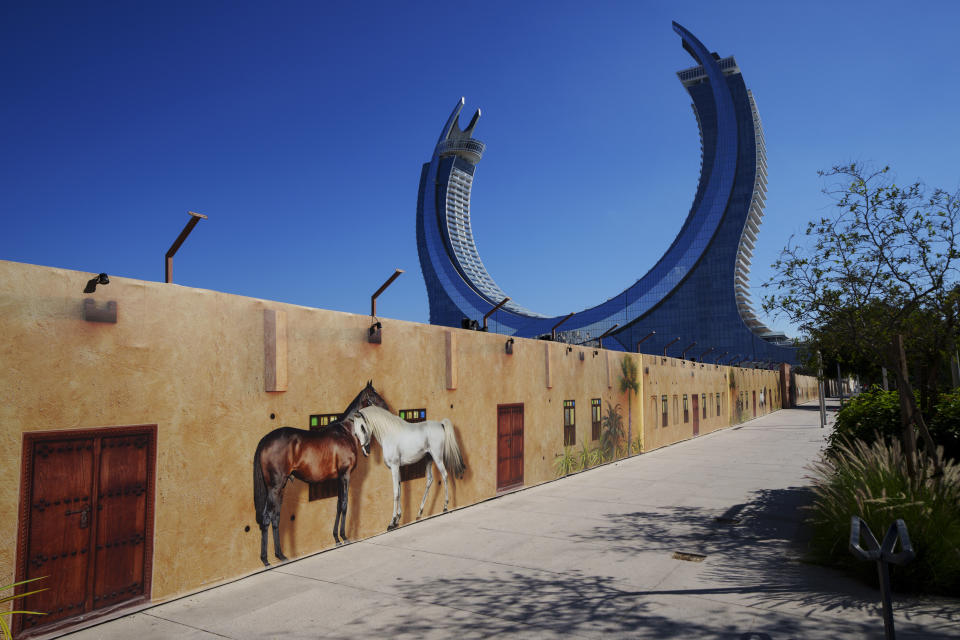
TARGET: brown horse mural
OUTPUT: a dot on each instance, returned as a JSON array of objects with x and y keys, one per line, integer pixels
[{"x": 309, "y": 456}]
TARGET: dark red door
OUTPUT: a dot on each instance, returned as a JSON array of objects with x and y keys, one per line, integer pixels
[
  {"x": 696, "y": 415},
  {"x": 60, "y": 508},
  {"x": 509, "y": 446},
  {"x": 85, "y": 522},
  {"x": 121, "y": 520},
  {"x": 754, "y": 404}
]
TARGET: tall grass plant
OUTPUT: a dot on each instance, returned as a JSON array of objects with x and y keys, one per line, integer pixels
[{"x": 870, "y": 480}]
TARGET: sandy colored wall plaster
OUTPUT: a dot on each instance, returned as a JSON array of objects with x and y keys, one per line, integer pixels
[
  {"x": 805, "y": 388},
  {"x": 194, "y": 363},
  {"x": 736, "y": 387},
  {"x": 675, "y": 378}
]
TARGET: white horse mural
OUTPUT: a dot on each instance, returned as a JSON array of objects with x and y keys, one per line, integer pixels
[{"x": 404, "y": 443}]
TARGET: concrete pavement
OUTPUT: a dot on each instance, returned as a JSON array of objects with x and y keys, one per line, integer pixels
[{"x": 586, "y": 556}]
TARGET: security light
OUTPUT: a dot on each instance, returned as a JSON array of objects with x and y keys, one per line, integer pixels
[{"x": 93, "y": 282}]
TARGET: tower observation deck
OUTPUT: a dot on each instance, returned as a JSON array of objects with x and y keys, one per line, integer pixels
[{"x": 697, "y": 291}]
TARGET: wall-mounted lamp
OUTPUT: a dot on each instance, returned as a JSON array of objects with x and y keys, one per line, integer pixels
[
  {"x": 553, "y": 329},
  {"x": 700, "y": 359},
  {"x": 168, "y": 258},
  {"x": 720, "y": 357},
  {"x": 683, "y": 354},
  {"x": 677, "y": 339},
  {"x": 605, "y": 334},
  {"x": 596, "y": 352},
  {"x": 489, "y": 313},
  {"x": 94, "y": 281},
  {"x": 569, "y": 349},
  {"x": 375, "y": 333},
  {"x": 649, "y": 335},
  {"x": 373, "y": 298},
  {"x": 508, "y": 347}
]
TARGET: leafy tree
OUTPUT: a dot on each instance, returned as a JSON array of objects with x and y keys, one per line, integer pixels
[
  {"x": 886, "y": 253},
  {"x": 629, "y": 384},
  {"x": 883, "y": 264}
]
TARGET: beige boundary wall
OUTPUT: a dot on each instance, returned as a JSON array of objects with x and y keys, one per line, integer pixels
[
  {"x": 198, "y": 364},
  {"x": 806, "y": 388},
  {"x": 721, "y": 396}
]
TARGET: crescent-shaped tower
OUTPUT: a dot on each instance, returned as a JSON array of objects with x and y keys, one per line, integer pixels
[{"x": 698, "y": 291}]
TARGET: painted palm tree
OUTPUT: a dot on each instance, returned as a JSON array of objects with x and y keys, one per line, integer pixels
[
  {"x": 629, "y": 384},
  {"x": 612, "y": 433}
]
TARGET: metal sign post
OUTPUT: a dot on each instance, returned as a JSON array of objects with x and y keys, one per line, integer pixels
[
  {"x": 883, "y": 555},
  {"x": 821, "y": 391}
]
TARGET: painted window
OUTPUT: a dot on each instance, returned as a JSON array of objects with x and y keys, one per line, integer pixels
[
  {"x": 718, "y": 404},
  {"x": 686, "y": 410},
  {"x": 663, "y": 405},
  {"x": 569, "y": 423},
  {"x": 676, "y": 409},
  {"x": 595, "y": 418},
  {"x": 417, "y": 469},
  {"x": 703, "y": 403},
  {"x": 319, "y": 420},
  {"x": 327, "y": 488}
]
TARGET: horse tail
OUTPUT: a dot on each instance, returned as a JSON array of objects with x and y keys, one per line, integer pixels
[
  {"x": 259, "y": 486},
  {"x": 452, "y": 459}
]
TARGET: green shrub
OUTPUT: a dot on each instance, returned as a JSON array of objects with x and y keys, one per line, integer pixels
[
  {"x": 566, "y": 462},
  {"x": 945, "y": 424},
  {"x": 587, "y": 458},
  {"x": 874, "y": 412},
  {"x": 637, "y": 445},
  {"x": 870, "y": 481},
  {"x": 5, "y": 631}
]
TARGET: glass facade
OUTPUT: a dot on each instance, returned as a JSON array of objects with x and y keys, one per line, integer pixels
[{"x": 697, "y": 291}]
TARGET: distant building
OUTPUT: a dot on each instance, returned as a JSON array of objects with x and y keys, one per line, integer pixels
[{"x": 698, "y": 291}]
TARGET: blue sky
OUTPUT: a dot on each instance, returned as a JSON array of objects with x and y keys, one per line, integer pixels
[{"x": 300, "y": 129}]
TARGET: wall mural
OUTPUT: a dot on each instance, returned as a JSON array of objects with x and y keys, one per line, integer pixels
[
  {"x": 612, "y": 445},
  {"x": 406, "y": 443},
  {"x": 309, "y": 456}
]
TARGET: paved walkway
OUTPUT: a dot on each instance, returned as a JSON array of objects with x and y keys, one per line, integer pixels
[{"x": 588, "y": 556}]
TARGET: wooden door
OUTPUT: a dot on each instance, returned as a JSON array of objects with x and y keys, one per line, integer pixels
[
  {"x": 754, "y": 403},
  {"x": 86, "y": 522},
  {"x": 696, "y": 415},
  {"x": 509, "y": 446}
]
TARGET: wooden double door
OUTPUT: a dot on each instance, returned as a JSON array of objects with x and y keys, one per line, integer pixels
[
  {"x": 509, "y": 446},
  {"x": 86, "y": 522}
]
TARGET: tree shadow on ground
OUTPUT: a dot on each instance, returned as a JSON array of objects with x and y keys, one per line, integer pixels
[
  {"x": 571, "y": 604},
  {"x": 749, "y": 588},
  {"x": 758, "y": 550}
]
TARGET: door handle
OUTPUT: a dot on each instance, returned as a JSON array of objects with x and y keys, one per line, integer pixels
[{"x": 84, "y": 516}]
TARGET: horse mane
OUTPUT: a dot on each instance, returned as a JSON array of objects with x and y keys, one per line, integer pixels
[
  {"x": 355, "y": 403},
  {"x": 381, "y": 422}
]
